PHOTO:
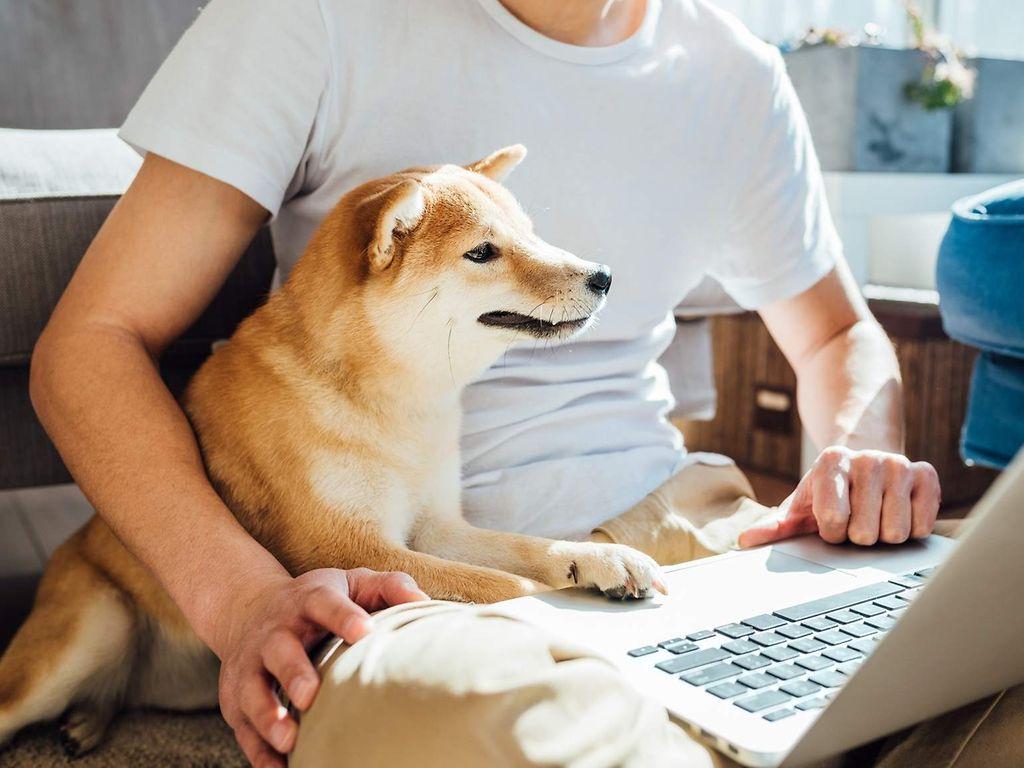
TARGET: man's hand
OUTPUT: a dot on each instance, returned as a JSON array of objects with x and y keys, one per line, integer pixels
[
  {"x": 267, "y": 640},
  {"x": 861, "y": 496}
]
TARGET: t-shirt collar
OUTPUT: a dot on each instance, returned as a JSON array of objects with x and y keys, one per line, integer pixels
[{"x": 575, "y": 54}]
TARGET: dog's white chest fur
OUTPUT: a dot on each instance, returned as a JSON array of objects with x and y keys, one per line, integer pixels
[{"x": 410, "y": 469}]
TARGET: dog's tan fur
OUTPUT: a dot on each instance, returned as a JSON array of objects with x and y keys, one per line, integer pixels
[{"x": 329, "y": 424}]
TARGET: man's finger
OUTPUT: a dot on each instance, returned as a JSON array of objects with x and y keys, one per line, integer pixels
[
  {"x": 896, "y": 513},
  {"x": 831, "y": 498},
  {"x": 925, "y": 498},
  {"x": 265, "y": 713},
  {"x": 866, "y": 488},
  {"x": 286, "y": 659},
  {"x": 334, "y": 611},
  {"x": 379, "y": 590},
  {"x": 783, "y": 528},
  {"x": 259, "y": 754}
]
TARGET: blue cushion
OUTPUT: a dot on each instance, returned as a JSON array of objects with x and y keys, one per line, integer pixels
[
  {"x": 994, "y": 428},
  {"x": 980, "y": 272},
  {"x": 980, "y": 277}
]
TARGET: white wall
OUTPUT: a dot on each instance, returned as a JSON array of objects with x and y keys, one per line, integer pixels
[{"x": 981, "y": 27}]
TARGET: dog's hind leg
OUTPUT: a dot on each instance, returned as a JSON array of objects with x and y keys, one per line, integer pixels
[{"x": 76, "y": 649}]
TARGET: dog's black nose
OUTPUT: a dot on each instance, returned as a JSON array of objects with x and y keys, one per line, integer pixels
[{"x": 601, "y": 280}]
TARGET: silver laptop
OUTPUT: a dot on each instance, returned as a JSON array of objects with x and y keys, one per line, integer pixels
[{"x": 790, "y": 653}]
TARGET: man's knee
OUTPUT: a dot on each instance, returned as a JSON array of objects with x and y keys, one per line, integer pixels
[{"x": 460, "y": 685}]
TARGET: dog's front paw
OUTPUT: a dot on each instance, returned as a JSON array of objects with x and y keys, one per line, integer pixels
[{"x": 619, "y": 571}]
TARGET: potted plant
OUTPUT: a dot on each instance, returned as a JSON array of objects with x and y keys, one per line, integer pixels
[
  {"x": 872, "y": 108},
  {"x": 988, "y": 134}
]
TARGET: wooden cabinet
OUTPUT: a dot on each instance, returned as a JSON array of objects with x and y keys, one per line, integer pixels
[{"x": 757, "y": 424}]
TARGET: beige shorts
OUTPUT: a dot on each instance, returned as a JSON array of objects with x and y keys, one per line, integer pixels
[{"x": 443, "y": 684}]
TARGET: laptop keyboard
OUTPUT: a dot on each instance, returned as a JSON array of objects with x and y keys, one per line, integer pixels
[{"x": 775, "y": 664}]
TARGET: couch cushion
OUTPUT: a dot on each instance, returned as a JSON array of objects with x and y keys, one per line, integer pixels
[
  {"x": 56, "y": 189},
  {"x": 41, "y": 164},
  {"x": 82, "y": 63}
]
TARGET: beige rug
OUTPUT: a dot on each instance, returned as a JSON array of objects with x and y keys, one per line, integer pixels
[{"x": 135, "y": 740}]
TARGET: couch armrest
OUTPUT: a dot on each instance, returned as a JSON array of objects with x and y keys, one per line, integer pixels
[{"x": 56, "y": 189}]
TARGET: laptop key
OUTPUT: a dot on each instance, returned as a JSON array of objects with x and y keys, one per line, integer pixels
[
  {"x": 868, "y": 610},
  {"x": 762, "y": 700},
  {"x": 842, "y": 653},
  {"x": 671, "y": 641},
  {"x": 849, "y": 667},
  {"x": 858, "y": 630},
  {"x": 752, "y": 662},
  {"x": 643, "y": 650},
  {"x": 814, "y": 663},
  {"x": 865, "y": 646},
  {"x": 757, "y": 680},
  {"x": 711, "y": 674},
  {"x": 793, "y": 631},
  {"x": 812, "y": 704},
  {"x": 741, "y": 646},
  {"x": 925, "y": 572},
  {"x": 735, "y": 631},
  {"x": 909, "y": 581},
  {"x": 786, "y": 671},
  {"x": 828, "y": 679},
  {"x": 881, "y": 622},
  {"x": 891, "y": 603},
  {"x": 684, "y": 646},
  {"x": 768, "y": 639},
  {"x": 763, "y": 621},
  {"x": 780, "y": 653},
  {"x": 843, "y": 617},
  {"x": 779, "y": 714},
  {"x": 702, "y": 634},
  {"x": 692, "y": 660},
  {"x": 832, "y": 637},
  {"x": 800, "y": 688},
  {"x": 807, "y": 645},
  {"x": 835, "y": 602},
  {"x": 727, "y": 690},
  {"x": 819, "y": 624}
]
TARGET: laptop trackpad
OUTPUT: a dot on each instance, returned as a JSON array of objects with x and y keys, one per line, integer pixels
[{"x": 702, "y": 594}]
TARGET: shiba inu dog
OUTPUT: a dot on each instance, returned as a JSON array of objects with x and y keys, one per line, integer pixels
[{"x": 329, "y": 424}]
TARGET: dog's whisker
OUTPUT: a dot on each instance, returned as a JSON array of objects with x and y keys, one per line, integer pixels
[
  {"x": 432, "y": 297},
  {"x": 451, "y": 365}
]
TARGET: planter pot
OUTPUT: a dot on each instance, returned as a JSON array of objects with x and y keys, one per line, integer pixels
[
  {"x": 979, "y": 276},
  {"x": 989, "y": 128},
  {"x": 859, "y": 114}
]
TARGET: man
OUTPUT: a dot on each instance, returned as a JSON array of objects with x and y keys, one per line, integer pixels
[{"x": 665, "y": 141}]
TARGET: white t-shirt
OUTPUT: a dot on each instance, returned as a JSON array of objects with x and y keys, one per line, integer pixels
[{"x": 678, "y": 152}]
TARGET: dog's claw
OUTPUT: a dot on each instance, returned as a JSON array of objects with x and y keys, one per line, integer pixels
[{"x": 70, "y": 744}]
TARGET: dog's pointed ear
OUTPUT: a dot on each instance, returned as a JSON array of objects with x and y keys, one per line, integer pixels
[
  {"x": 401, "y": 210},
  {"x": 500, "y": 164}
]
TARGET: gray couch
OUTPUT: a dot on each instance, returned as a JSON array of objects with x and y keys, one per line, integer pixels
[{"x": 71, "y": 65}]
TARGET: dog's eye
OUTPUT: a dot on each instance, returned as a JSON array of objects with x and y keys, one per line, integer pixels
[{"x": 482, "y": 253}]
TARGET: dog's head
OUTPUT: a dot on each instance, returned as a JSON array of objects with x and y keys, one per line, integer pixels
[{"x": 450, "y": 267}]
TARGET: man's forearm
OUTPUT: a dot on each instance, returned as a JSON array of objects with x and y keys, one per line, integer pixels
[
  {"x": 132, "y": 451},
  {"x": 850, "y": 393}
]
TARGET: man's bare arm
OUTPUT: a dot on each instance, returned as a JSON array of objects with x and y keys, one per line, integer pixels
[
  {"x": 166, "y": 248},
  {"x": 849, "y": 389},
  {"x": 155, "y": 264},
  {"x": 850, "y": 398}
]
